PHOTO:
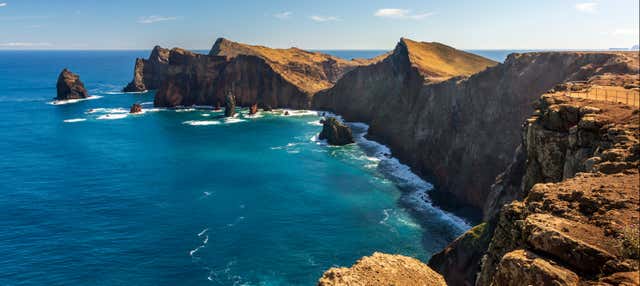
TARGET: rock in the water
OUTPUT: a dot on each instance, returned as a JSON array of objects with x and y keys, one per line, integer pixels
[
  {"x": 69, "y": 86},
  {"x": 286, "y": 113},
  {"x": 335, "y": 132},
  {"x": 253, "y": 109},
  {"x": 383, "y": 269},
  {"x": 217, "y": 106},
  {"x": 135, "y": 108},
  {"x": 229, "y": 105}
]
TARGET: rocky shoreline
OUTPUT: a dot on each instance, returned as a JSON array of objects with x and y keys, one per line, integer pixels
[{"x": 456, "y": 119}]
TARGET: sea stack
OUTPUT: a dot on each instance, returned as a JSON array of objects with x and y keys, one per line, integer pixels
[
  {"x": 253, "y": 109},
  {"x": 229, "y": 105},
  {"x": 135, "y": 108},
  {"x": 69, "y": 86},
  {"x": 335, "y": 132}
]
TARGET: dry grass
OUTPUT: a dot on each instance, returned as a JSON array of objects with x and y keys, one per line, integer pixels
[
  {"x": 440, "y": 62},
  {"x": 630, "y": 241}
]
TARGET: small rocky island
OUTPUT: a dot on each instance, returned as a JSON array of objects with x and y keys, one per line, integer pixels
[
  {"x": 335, "y": 132},
  {"x": 69, "y": 86},
  {"x": 135, "y": 108}
]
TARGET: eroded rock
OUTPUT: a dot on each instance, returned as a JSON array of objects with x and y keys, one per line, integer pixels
[
  {"x": 69, "y": 86},
  {"x": 335, "y": 132}
]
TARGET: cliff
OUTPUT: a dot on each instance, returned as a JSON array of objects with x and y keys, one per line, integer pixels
[
  {"x": 459, "y": 133},
  {"x": 578, "y": 220},
  {"x": 69, "y": 86},
  {"x": 382, "y": 269},
  {"x": 149, "y": 73},
  {"x": 256, "y": 74}
]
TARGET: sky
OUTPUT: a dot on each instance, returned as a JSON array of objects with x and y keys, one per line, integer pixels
[{"x": 319, "y": 25}]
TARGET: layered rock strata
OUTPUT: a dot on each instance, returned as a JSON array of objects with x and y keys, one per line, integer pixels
[{"x": 69, "y": 86}]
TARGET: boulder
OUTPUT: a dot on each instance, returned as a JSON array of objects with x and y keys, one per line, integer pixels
[
  {"x": 135, "y": 108},
  {"x": 229, "y": 105},
  {"x": 69, "y": 86},
  {"x": 383, "y": 269},
  {"x": 335, "y": 132},
  {"x": 253, "y": 109}
]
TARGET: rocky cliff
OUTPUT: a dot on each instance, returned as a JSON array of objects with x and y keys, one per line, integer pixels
[
  {"x": 578, "y": 221},
  {"x": 257, "y": 75},
  {"x": 456, "y": 124},
  {"x": 69, "y": 86},
  {"x": 383, "y": 269},
  {"x": 149, "y": 74}
]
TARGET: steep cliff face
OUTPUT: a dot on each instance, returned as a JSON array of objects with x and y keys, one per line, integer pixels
[
  {"x": 149, "y": 73},
  {"x": 578, "y": 221},
  {"x": 69, "y": 86},
  {"x": 461, "y": 132},
  {"x": 256, "y": 74}
]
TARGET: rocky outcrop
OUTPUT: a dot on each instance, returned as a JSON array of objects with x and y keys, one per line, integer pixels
[
  {"x": 253, "y": 109},
  {"x": 578, "y": 214},
  {"x": 268, "y": 77},
  {"x": 69, "y": 86},
  {"x": 335, "y": 132},
  {"x": 149, "y": 74},
  {"x": 457, "y": 131},
  {"x": 135, "y": 108},
  {"x": 383, "y": 269},
  {"x": 229, "y": 105}
]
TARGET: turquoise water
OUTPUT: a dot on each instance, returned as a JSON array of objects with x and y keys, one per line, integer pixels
[{"x": 93, "y": 196}]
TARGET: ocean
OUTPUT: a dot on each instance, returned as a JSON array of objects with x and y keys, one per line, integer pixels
[{"x": 91, "y": 195}]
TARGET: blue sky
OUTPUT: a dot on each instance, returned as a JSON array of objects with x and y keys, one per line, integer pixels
[{"x": 328, "y": 24}]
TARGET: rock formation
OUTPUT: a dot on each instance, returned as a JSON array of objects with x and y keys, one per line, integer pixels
[
  {"x": 268, "y": 77},
  {"x": 149, "y": 74},
  {"x": 229, "y": 105},
  {"x": 253, "y": 109},
  {"x": 383, "y": 269},
  {"x": 69, "y": 86},
  {"x": 459, "y": 133},
  {"x": 579, "y": 191},
  {"x": 135, "y": 108},
  {"x": 335, "y": 132}
]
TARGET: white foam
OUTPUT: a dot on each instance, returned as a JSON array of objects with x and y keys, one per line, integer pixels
[
  {"x": 379, "y": 156},
  {"x": 201, "y": 122},
  {"x": 297, "y": 112},
  {"x": 231, "y": 120},
  {"x": 115, "y": 92},
  {"x": 253, "y": 116},
  {"x": 74, "y": 120},
  {"x": 136, "y": 92},
  {"x": 107, "y": 110},
  {"x": 68, "y": 101},
  {"x": 206, "y": 114},
  {"x": 203, "y": 232},
  {"x": 112, "y": 116},
  {"x": 315, "y": 123}
]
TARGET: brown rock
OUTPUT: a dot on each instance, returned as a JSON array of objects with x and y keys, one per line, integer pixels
[
  {"x": 335, "y": 132},
  {"x": 135, "y": 108},
  {"x": 383, "y": 269},
  {"x": 150, "y": 73},
  {"x": 253, "y": 109},
  {"x": 230, "y": 105},
  {"x": 69, "y": 86},
  {"x": 521, "y": 267}
]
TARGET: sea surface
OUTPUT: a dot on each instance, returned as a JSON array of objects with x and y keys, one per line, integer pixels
[{"x": 90, "y": 195}]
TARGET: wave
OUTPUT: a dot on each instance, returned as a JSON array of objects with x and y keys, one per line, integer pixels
[
  {"x": 379, "y": 156},
  {"x": 74, "y": 120},
  {"x": 231, "y": 120},
  {"x": 203, "y": 232},
  {"x": 206, "y": 114},
  {"x": 201, "y": 122},
  {"x": 112, "y": 116},
  {"x": 297, "y": 112},
  {"x": 68, "y": 101},
  {"x": 204, "y": 242},
  {"x": 107, "y": 110}
]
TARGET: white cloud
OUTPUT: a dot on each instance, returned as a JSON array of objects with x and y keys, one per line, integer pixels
[
  {"x": 283, "y": 15},
  {"x": 24, "y": 44},
  {"x": 587, "y": 7},
  {"x": 625, "y": 32},
  {"x": 154, "y": 18},
  {"x": 3, "y": 4},
  {"x": 395, "y": 13},
  {"x": 324, "y": 18}
]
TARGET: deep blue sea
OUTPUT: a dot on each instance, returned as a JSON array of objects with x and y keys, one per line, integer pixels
[{"x": 90, "y": 195}]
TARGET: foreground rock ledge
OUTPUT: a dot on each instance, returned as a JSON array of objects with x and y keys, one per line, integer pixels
[
  {"x": 335, "y": 132},
  {"x": 69, "y": 86},
  {"x": 383, "y": 269}
]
